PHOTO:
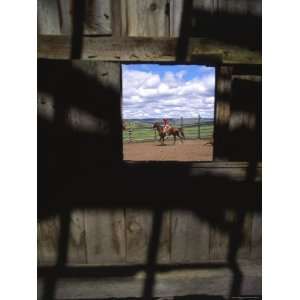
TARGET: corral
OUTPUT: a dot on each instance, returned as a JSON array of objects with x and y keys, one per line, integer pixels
[
  {"x": 203, "y": 130},
  {"x": 189, "y": 150},
  {"x": 109, "y": 228}
]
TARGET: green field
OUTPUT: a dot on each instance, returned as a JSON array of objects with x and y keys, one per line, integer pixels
[{"x": 140, "y": 133}]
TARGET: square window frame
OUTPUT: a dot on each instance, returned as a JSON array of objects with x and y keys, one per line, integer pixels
[{"x": 217, "y": 109}]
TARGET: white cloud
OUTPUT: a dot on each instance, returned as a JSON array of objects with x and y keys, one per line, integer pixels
[
  {"x": 152, "y": 81},
  {"x": 180, "y": 74},
  {"x": 150, "y": 95}
]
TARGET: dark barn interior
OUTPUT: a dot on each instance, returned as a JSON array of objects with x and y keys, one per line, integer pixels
[{"x": 107, "y": 229}]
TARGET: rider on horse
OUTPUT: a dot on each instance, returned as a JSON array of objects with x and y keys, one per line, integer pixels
[{"x": 167, "y": 125}]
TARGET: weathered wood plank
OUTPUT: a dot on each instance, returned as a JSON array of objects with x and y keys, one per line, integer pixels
[
  {"x": 77, "y": 239},
  {"x": 139, "y": 232},
  {"x": 105, "y": 238},
  {"x": 147, "y": 18},
  {"x": 245, "y": 249},
  {"x": 223, "y": 88},
  {"x": 176, "y": 10},
  {"x": 49, "y": 239},
  {"x": 117, "y": 23},
  {"x": 222, "y": 111},
  {"x": 239, "y": 7},
  {"x": 218, "y": 244},
  {"x": 220, "y": 240},
  {"x": 55, "y": 17},
  {"x": 176, "y": 7},
  {"x": 212, "y": 8},
  {"x": 248, "y": 88},
  {"x": 190, "y": 238},
  {"x": 146, "y": 49},
  {"x": 48, "y": 17},
  {"x": 98, "y": 18},
  {"x": 66, "y": 16},
  {"x": 256, "y": 240},
  {"x": 233, "y": 171},
  {"x": 234, "y": 7},
  {"x": 202, "y": 281}
]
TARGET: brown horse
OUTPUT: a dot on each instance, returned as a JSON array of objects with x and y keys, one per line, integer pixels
[{"x": 176, "y": 132}]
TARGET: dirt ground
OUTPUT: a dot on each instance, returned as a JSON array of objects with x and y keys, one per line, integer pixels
[{"x": 189, "y": 150}]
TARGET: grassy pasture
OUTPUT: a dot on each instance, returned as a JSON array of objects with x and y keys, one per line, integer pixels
[{"x": 140, "y": 133}]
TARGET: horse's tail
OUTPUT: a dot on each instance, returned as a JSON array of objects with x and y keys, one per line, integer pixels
[{"x": 181, "y": 132}]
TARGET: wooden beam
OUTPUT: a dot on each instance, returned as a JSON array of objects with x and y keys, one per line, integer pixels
[
  {"x": 222, "y": 111},
  {"x": 235, "y": 171},
  {"x": 200, "y": 50},
  {"x": 202, "y": 281}
]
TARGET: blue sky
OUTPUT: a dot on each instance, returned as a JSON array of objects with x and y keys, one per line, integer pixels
[{"x": 167, "y": 91}]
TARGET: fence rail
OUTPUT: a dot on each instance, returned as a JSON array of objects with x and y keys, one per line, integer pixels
[{"x": 199, "y": 130}]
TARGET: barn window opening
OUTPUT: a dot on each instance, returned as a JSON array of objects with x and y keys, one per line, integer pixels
[{"x": 168, "y": 112}]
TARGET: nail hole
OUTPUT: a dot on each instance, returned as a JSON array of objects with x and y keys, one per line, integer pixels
[{"x": 153, "y": 6}]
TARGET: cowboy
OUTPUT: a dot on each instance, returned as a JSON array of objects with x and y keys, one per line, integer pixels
[{"x": 167, "y": 126}]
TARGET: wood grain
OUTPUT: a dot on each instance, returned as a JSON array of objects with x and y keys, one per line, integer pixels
[
  {"x": 212, "y": 8},
  {"x": 218, "y": 244},
  {"x": 139, "y": 232},
  {"x": 47, "y": 240},
  {"x": 49, "y": 231},
  {"x": 105, "y": 239},
  {"x": 48, "y": 17},
  {"x": 98, "y": 20},
  {"x": 190, "y": 238},
  {"x": 167, "y": 285},
  {"x": 176, "y": 7},
  {"x": 222, "y": 111},
  {"x": 256, "y": 238},
  {"x": 55, "y": 17},
  {"x": 147, "y": 18},
  {"x": 200, "y": 50}
]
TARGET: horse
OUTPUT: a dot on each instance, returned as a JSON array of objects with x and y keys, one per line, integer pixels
[{"x": 176, "y": 132}]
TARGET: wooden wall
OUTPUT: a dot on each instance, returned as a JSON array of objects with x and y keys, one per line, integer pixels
[
  {"x": 143, "y": 18},
  {"x": 55, "y": 17},
  {"x": 113, "y": 237},
  {"x": 78, "y": 134}
]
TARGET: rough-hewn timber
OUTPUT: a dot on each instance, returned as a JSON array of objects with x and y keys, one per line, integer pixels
[
  {"x": 180, "y": 282},
  {"x": 146, "y": 49}
]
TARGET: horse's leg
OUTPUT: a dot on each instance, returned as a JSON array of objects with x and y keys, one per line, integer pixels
[
  {"x": 174, "y": 138},
  {"x": 178, "y": 134},
  {"x": 162, "y": 139}
]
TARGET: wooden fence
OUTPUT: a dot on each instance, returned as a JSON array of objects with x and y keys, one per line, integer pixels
[{"x": 198, "y": 130}]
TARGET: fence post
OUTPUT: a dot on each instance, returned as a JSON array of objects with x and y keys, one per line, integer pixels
[
  {"x": 155, "y": 137},
  {"x": 181, "y": 122},
  {"x": 199, "y": 120},
  {"x": 129, "y": 135}
]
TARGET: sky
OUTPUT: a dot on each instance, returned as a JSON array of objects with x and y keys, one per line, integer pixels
[{"x": 167, "y": 91}]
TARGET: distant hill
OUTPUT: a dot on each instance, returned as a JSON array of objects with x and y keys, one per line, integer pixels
[{"x": 174, "y": 121}]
